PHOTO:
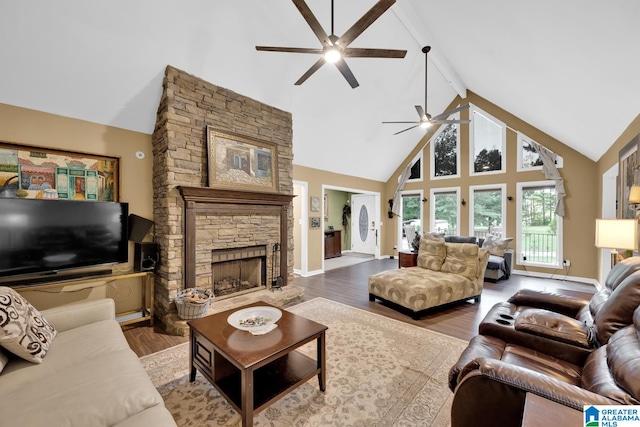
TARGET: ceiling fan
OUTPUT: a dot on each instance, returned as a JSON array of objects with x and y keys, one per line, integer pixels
[
  {"x": 335, "y": 49},
  {"x": 426, "y": 120}
]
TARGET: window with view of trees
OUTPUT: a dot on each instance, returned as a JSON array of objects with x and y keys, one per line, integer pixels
[
  {"x": 411, "y": 215},
  {"x": 488, "y": 210},
  {"x": 539, "y": 228},
  {"x": 444, "y": 151},
  {"x": 416, "y": 169},
  {"x": 528, "y": 157},
  {"x": 445, "y": 203},
  {"x": 488, "y": 136}
]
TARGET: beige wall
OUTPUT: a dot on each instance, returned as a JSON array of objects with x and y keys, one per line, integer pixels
[
  {"x": 581, "y": 183},
  {"x": 29, "y": 127},
  {"x": 316, "y": 179}
]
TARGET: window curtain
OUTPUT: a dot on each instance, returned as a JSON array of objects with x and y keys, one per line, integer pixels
[
  {"x": 550, "y": 171},
  {"x": 397, "y": 198}
]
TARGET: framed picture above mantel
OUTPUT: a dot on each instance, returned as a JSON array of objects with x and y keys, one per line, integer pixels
[
  {"x": 241, "y": 163},
  {"x": 42, "y": 173}
]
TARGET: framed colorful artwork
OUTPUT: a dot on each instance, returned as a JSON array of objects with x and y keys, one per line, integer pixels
[{"x": 42, "y": 173}]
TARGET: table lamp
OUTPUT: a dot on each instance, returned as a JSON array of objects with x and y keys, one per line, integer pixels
[{"x": 616, "y": 234}]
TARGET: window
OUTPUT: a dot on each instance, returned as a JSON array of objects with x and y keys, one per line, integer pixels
[
  {"x": 487, "y": 207},
  {"x": 416, "y": 169},
  {"x": 445, "y": 161},
  {"x": 411, "y": 215},
  {"x": 487, "y": 147},
  {"x": 445, "y": 203},
  {"x": 528, "y": 158},
  {"x": 539, "y": 229}
]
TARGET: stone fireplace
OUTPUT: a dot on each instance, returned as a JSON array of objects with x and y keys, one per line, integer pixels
[{"x": 216, "y": 238}]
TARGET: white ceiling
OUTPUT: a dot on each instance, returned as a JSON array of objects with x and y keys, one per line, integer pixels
[{"x": 571, "y": 68}]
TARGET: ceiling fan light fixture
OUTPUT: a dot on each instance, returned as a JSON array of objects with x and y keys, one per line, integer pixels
[
  {"x": 425, "y": 125},
  {"x": 332, "y": 55}
]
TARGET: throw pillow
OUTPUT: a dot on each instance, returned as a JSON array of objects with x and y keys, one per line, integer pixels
[
  {"x": 495, "y": 245},
  {"x": 431, "y": 254},
  {"x": 23, "y": 330},
  {"x": 462, "y": 259},
  {"x": 432, "y": 235}
]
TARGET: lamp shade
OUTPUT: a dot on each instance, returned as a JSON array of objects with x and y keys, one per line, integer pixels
[
  {"x": 634, "y": 195},
  {"x": 617, "y": 233}
]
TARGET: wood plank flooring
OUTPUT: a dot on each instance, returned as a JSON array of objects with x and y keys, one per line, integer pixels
[{"x": 349, "y": 285}]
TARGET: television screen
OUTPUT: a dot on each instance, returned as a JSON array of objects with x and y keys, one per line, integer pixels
[{"x": 45, "y": 236}]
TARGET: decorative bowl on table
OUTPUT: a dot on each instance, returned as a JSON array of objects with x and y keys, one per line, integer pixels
[{"x": 254, "y": 319}]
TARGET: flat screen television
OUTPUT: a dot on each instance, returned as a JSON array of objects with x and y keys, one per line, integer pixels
[{"x": 43, "y": 237}]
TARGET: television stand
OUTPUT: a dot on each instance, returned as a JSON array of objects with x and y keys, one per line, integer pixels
[
  {"x": 132, "y": 292},
  {"x": 56, "y": 277}
]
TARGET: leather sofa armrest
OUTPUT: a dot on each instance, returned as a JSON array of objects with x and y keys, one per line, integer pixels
[
  {"x": 70, "y": 316},
  {"x": 563, "y": 304},
  {"x": 554, "y": 326},
  {"x": 529, "y": 381}
]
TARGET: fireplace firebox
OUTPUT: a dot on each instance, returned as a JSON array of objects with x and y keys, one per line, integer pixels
[{"x": 238, "y": 269}]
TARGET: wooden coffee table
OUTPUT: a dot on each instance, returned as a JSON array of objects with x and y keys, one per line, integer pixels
[{"x": 253, "y": 371}]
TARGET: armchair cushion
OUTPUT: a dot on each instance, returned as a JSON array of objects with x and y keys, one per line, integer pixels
[
  {"x": 431, "y": 254},
  {"x": 462, "y": 259},
  {"x": 554, "y": 326},
  {"x": 564, "y": 304}
]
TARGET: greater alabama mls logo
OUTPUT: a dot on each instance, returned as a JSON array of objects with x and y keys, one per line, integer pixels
[{"x": 611, "y": 415}]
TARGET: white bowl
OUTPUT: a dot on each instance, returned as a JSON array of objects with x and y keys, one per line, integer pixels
[{"x": 245, "y": 319}]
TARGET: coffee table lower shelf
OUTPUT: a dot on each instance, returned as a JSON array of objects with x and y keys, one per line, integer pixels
[{"x": 270, "y": 382}]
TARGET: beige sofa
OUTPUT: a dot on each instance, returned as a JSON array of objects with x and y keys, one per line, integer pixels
[
  {"x": 89, "y": 376},
  {"x": 446, "y": 273}
]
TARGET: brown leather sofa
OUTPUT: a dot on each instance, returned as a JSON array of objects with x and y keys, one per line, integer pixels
[
  {"x": 564, "y": 326},
  {"x": 491, "y": 384}
]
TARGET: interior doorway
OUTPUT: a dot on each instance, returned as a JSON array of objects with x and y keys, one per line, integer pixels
[{"x": 339, "y": 214}]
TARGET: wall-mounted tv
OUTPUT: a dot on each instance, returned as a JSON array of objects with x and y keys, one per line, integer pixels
[{"x": 40, "y": 237}]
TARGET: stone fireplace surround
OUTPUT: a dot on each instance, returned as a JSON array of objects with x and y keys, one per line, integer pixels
[{"x": 191, "y": 219}]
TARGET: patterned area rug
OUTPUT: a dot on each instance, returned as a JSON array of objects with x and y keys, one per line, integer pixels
[{"x": 380, "y": 372}]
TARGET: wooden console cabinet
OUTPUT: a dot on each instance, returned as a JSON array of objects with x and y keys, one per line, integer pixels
[{"x": 332, "y": 244}]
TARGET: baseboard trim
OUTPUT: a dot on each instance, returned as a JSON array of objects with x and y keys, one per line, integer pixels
[{"x": 558, "y": 277}]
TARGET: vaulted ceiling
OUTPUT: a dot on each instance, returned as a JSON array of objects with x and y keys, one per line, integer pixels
[{"x": 570, "y": 68}]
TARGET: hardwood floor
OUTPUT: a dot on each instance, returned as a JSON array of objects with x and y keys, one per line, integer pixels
[{"x": 349, "y": 285}]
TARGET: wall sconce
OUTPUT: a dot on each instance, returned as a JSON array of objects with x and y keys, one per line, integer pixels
[
  {"x": 463, "y": 202},
  {"x": 390, "y": 212},
  {"x": 509, "y": 198},
  {"x": 424, "y": 200}
]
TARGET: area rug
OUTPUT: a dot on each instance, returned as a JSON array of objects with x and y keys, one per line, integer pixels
[{"x": 380, "y": 372}]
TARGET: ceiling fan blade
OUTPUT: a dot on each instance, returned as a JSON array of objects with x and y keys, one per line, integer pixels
[
  {"x": 346, "y": 72},
  {"x": 288, "y": 49},
  {"x": 363, "y": 23},
  {"x": 449, "y": 122},
  {"x": 421, "y": 113},
  {"x": 404, "y": 123},
  {"x": 315, "y": 67},
  {"x": 406, "y": 129},
  {"x": 313, "y": 22},
  {"x": 450, "y": 112},
  {"x": 356, "y": 52}
]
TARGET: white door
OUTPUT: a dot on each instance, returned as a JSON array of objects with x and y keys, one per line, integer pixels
[{"x": 364, "y": 230}]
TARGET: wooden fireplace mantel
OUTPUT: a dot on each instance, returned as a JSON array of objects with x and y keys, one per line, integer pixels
[{"x": 216, "y": 201}]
